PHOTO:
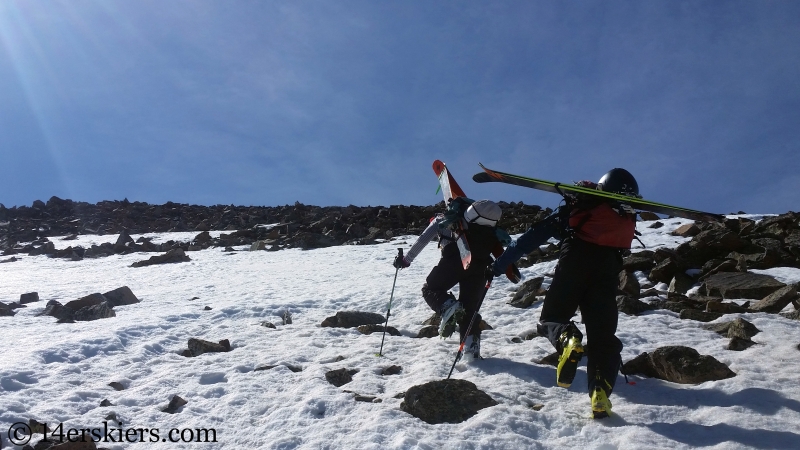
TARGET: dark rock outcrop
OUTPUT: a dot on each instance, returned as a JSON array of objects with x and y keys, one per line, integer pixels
[
  {"x": 176, "y": 255},
  {"x": 678, "y": 364},
  {"x": 526, "y": 294},
  {"x": 730, "y": 285},
  {"x": 445, "y": 401},
  {"x": 340, "y": 377},
  {"x": 199, "y": 346},
  {"x": 349, "y": 319}
]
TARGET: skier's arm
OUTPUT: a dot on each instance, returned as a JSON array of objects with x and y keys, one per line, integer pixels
[
  {"x": 536, "y": 235},
  {"x": 430, "y": 232}
]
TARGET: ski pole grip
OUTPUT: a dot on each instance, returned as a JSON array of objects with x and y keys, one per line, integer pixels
[{"x": 400, "y": 252}]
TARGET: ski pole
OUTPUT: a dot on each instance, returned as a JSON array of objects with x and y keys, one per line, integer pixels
[
  {"x": 391, "y": 296},
  {"x": 469, "y": 328}
]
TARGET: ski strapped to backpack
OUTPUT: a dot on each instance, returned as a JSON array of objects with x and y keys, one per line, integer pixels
[{"x": 489, "y": 175}]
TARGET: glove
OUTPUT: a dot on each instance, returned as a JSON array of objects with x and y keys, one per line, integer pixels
[
  {"x": 491, "y": 272},
  {"x": 586, "y": 184},
  {"x": 400, "y": 262}
]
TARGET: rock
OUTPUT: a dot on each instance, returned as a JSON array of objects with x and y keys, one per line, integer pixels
[
  {"x": 30, "y": 297},
  {"x": 776, "y": 301},
  {"x": 89, "y": 300},
  {"x": 734, "y": 285},
  {"x": 664, "y": 271},
  {"x": 678, "y": 364},
  {"x": 428, "y": 332},
  {"x": 366, "y": 398},
  {"x": 174, "y": 405},
  {"x": 640, "y": 261},
  {"x": 700, "y": 316},
  {"x": 647, "y": 216},
  {"x": 349, "y": 319},
  {"x": 120, "y": 296},
  {"x": 286, "y": 317},
  {"x": 628, "y": 283},
  {"x": 738, "y": 328},
  {"x": 681, "y": 283},
  {"x": 656, "y": 225},
  {"x": 267, "y": 324},
  {"x": 631, "y": 306},
  {"x": 375, "y": 328},
  {"x": 794, "y": 315},
  {"x": 199, "y": 346},
  {"x": 738, "y": 344},
  {"x": 391, "y": 370},
  {"x": 106, "y": 402},
  {"x": 57, "y": 310},
  {"x": 340, "y": 377},
  {"x": 526, "y": 294},
  {"x": 688, "y": 230},
  {"x": 124, "y": 242},
  {"x": 445, "y": 401},
  {"x": 5, "y": 310},
  {"x": 117, "y": 386},
  {"x": 176, "y": 255},
  {"x": 549, "y": 360},
  {"x": 94, "y": 312},
  {"x": 725, "y": 308}
]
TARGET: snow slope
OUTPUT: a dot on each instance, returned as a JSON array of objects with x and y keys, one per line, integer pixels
[{"x": 60, "y": 372}]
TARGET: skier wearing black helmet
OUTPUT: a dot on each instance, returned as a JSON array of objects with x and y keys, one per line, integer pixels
[
  {"x": 479, "y": 221},
  {"x": 593, "y": 233}
]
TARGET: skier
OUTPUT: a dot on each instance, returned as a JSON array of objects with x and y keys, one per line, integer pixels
[
  {"x": 593, "y": 233},
  {"x": 478, "y": 219}
]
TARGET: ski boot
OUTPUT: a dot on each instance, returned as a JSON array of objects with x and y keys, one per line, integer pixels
[
  {"x": 601, "y": 405},
  {"x": 472, "y": 347},
  {"x": 571, "y": 354},
  {"x": 452, "y": 313}
]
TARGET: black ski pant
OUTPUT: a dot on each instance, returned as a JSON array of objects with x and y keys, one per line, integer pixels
[
  {"x": 586, "y": 277},
  {"x": 448, "y": 272}
]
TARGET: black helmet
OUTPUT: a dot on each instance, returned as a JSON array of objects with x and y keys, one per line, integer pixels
[{"x": 619, "y": 181}]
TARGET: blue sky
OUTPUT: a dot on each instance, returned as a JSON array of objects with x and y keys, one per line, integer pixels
[{"x": 349, "y": 102}]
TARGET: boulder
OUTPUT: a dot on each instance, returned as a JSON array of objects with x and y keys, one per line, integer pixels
[
  {"x": 628, "y": 283},
  {"x": 632, "y": 306},
  {"x": 349, "y": 319},
  {"x": 120, "y": 296},
  {"x": 175, "y": 255},
  {"x": 199, "y": 346},
  {"x": 175, "y": 404},
  {"x": 738, "y": 344},
  {"x": 29, "y": 297},
  {"x": 340, "y": 377},
  {"x": 445, "y": 401},
  {"x": 687, "y": 230},
  {"x": 5, "y": 310},
  {"x": 678, "y": 364},
  {"x": 526, "y": 294},
  {"x": 93, "y": 312},
  {"x": 57, "y": 310},
  {"x": 89, "y": 300},
  {"x": 776, "y": 301},
  {"x": 700, "y": 316},
  {"x": 681, "y": 283},
  {"x": 640, "y": 261},
  {"x": 428, "y": 332},
  {"x": 736, "y": 328},
  {"x": 732, "y": 285},
  {"x": 647, "y": 215}
]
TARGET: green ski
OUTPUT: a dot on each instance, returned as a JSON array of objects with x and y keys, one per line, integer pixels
[{"x": 489, "y": 175}]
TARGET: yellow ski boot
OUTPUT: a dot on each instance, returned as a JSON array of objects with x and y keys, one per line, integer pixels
[{"x": 571, "y": 354}]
